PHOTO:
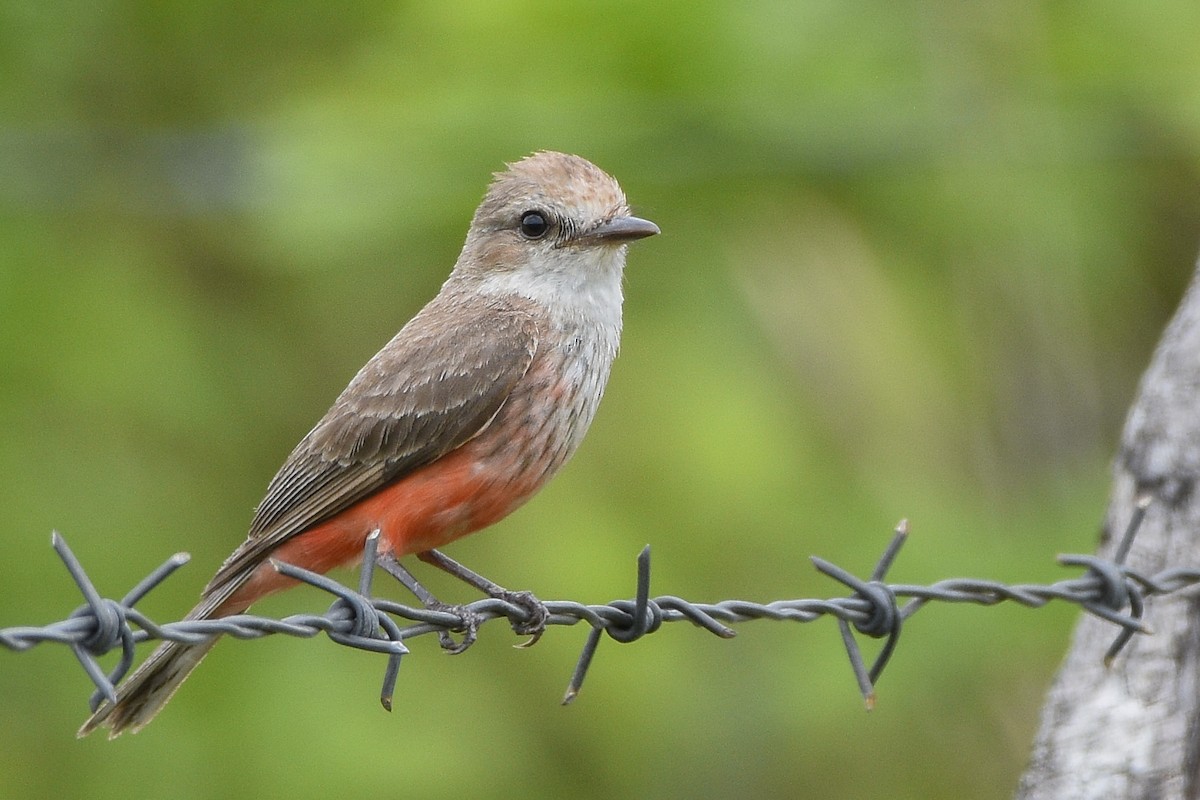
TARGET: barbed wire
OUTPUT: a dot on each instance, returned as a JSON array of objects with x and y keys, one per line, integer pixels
[{"x": 1108, "y": 589}]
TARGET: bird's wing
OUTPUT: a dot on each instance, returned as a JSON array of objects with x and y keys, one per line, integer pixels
[{"x": 435, "y": 386}]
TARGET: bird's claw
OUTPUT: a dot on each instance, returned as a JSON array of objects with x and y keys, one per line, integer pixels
[
  {"x": 536, "y": 613},
  {"x": 533, "y": 626},
  {"x": 469, "y": 622}
]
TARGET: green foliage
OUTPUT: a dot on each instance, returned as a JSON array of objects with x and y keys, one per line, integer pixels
[{"x": 913, "y": 259}]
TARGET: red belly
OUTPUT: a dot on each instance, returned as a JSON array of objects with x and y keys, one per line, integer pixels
[{"x": 456, "y": 495}]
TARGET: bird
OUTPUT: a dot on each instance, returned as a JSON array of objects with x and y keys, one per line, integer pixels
[{"x": 456, "y": 422}]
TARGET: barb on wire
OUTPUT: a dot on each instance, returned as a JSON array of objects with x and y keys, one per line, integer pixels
[{"x": 1108, "y": 589}]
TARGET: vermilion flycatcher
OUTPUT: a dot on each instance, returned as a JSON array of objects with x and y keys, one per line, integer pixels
[{"x": 458, "y": 420}]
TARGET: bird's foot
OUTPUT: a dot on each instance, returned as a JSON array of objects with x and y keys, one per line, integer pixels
[
  {"x": 469, "y": 626},
  {"x": 536, "y": 615}
]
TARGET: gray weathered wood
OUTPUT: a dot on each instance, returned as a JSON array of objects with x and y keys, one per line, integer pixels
[{"x": 1131, "y": 730}]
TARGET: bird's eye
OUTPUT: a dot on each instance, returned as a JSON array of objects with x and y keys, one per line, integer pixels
[{"x": 534, "y": 225}]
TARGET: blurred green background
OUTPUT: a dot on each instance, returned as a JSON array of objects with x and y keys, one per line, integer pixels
[{"x": 914, "y": 257}]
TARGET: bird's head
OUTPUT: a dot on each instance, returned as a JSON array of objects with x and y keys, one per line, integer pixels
[{"x": 551, "y": 225}]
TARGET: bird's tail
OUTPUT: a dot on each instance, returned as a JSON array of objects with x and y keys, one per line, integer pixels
[
  {"x": 149, "y": 688},
  {"x": 152, "y": 684}
]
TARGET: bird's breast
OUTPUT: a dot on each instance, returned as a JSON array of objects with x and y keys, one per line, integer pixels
[
  {"x": 534, "y": 433},
  {"x": 550, "y": 409}
]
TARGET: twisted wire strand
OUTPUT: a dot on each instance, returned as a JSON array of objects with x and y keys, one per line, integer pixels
[{"x": 1107, "y": 589}]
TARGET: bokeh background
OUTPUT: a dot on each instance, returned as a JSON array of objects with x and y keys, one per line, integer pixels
[{"x": 914, "y": 257}]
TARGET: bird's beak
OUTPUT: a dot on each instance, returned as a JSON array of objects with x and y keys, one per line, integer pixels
[{"x": 619, "y": 230}]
